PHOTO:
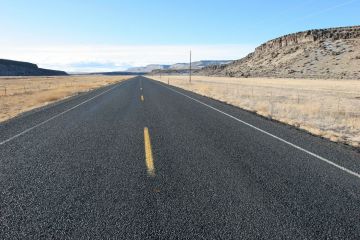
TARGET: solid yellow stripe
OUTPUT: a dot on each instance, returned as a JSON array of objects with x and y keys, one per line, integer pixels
[
  {"x": 142, "y": 98},
  {"x": 148, "y": 153}
]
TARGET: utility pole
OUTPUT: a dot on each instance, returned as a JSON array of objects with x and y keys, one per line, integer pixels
[{"x": 190, "y": 69}]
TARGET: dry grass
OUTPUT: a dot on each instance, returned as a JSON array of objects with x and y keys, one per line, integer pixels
[
  {"x": 20, "y": 94},
  {"x": 329, "y": 108}
]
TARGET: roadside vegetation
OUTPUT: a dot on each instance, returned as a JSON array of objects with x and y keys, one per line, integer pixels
[
  {"x": 20, "y": 94},
  {"x": 327, "y": 108}
]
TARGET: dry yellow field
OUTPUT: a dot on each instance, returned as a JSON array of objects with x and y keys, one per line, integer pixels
[
  {"x": 20, "y": 94},
  {"x": 328, "y": 108}
]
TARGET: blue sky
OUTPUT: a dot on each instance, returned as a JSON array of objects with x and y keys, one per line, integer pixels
[{"x": 77, "y": 35}]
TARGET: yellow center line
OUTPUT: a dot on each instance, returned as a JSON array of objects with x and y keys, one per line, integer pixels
[
  {"x": 148, "y": 154},
  {"x": 142, "y": 98}
]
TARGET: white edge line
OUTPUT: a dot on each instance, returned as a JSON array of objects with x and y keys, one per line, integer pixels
[
  {"x": 269, "y": 134},
  {"x": 57, "y": 115}
]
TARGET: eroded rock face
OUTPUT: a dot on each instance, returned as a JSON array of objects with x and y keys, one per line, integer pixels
[
  {"x": 310, "y": 37},
  {"x": 324, "y": 53}
]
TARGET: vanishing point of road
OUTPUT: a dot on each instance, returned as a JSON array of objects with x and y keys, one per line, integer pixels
[{"x": 144, "y": 160}]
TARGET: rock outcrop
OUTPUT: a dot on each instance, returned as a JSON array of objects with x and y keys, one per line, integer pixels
[
  {"x": 321, "y": 53},
  {"x": 16, "y": 68},
  {"x": 310, "y": 37}
]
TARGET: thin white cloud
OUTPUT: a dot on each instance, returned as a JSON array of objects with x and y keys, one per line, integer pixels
[{"x": 91, "y": 58}]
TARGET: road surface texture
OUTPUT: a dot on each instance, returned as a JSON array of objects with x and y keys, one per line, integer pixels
[{"x": 143, "y": 160}]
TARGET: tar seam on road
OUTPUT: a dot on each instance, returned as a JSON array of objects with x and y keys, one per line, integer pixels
[
  {"x": 269, "y": 134},
  {"x": 57, "y": 115},
  {"x": 148, "y": 154}
]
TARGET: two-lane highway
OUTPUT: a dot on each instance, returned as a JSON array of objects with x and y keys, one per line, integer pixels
[{"x": 143, "y": 160}]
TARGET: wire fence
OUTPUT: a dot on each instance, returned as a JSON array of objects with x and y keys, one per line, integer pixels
[
  {"x": 27, "y": 87},
  {"x": 14, "y": 89},
  {"x": 321, "y": 105}
]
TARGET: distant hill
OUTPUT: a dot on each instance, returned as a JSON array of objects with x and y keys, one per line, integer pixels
[
  {"x": 199, "y": 64},
  {"x": 147, "y": 68},
  {"x": 177, "y": 66},
  {"x": 118, "y": 73},
  {"x": 320, "y": 53},
  {"x": 16, "y": 68}
]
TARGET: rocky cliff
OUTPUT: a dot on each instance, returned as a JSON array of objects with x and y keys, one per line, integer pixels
[
  {"x": 320, "y": 53},
  {"x": 16, "y": 68},
  {"x": 310, "y": 37}
]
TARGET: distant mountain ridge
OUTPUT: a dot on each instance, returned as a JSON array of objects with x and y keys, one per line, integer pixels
[
  {"x": 148, "y": 68},
  {"x": 177, "y": 66},
  {"x": 17, "y": 68},
  {"x": 318, "y": 53}
]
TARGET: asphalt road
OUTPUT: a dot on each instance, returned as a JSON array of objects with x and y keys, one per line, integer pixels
[{"x": 170, "y": 165}]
